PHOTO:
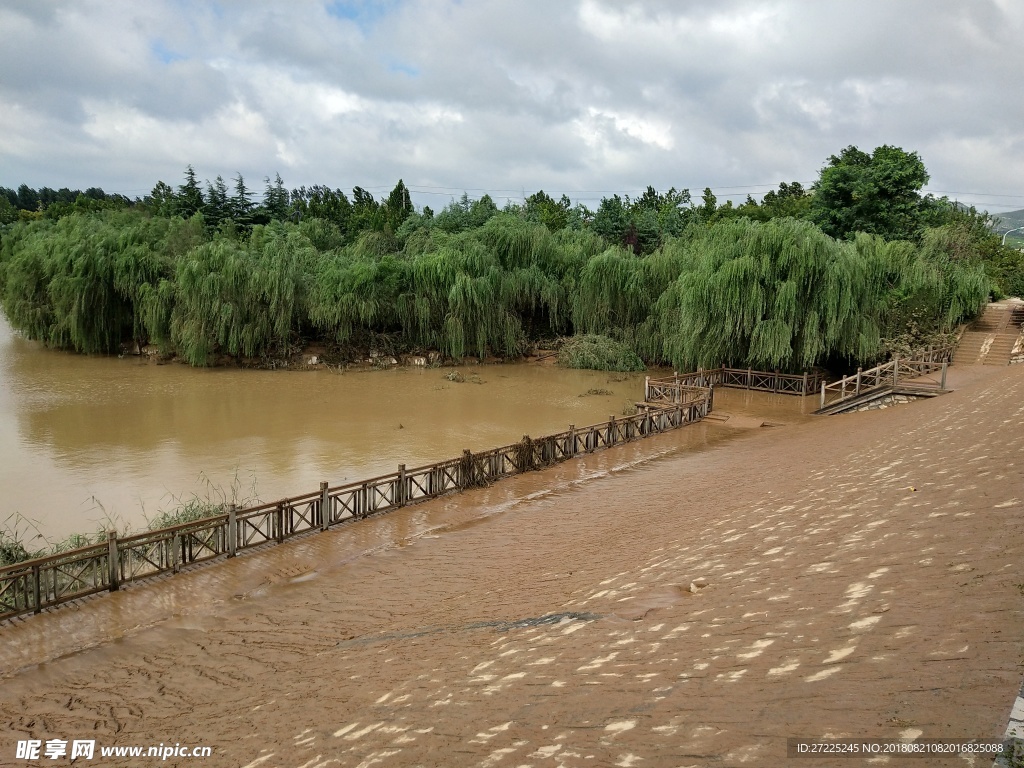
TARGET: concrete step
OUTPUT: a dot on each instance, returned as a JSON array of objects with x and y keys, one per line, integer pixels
[
  {"x": 967, "y": 352},
  {"x": 993, "y": 319},
  {"x": 969, "y": 349},
  {"x": 971, "y": 345},
  {"x": 995, "y": 331}
]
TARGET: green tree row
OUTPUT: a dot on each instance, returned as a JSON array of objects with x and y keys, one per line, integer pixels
[
  {"x": 829, "y": 274},
  {"x": 779, "y": 293}
]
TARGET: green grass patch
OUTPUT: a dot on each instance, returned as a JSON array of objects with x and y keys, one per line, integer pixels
[{"x": 598, "y": 353}]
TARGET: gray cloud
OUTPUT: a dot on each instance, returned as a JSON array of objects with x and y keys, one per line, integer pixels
[{"x": 583, "y": 95}]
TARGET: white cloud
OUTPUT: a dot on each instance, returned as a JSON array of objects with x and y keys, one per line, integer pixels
[
  {"x": 599, "y": 126},
  {"x": 587, "y": 95}
]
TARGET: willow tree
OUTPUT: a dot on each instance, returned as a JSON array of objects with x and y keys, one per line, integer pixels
[
  {"x": 25, "y": 277},
  {"x": 76, "y": 284},
  {"x": 351, "y": 290},
  {"x": 930, "y": 288},
  {"x": 238, "y": 298},
  {"x": 463, "y": 302},
  {"x": 774, "y": 295},
  {"x": 617, "y": 291},
  {"x": 606, "y": 297},
  {"x": 487, "y": 289}
]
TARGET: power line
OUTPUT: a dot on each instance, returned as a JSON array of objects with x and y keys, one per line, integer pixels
[{"x": 972, "y": 194}]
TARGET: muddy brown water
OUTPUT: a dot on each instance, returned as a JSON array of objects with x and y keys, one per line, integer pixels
[
  {"x": 86, "y": 441},
  {"x": 90, "y": 441}
]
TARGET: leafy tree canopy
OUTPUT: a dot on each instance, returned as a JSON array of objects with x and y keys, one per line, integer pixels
[{"x": 877, "y": 193}]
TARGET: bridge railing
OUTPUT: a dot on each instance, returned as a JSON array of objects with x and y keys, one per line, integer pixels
[
  {"x": 893, "y": 373},
  {"x": 737, "y": 378}
]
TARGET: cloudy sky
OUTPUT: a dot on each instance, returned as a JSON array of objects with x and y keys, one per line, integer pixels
[{"x": 584, "y": 97}]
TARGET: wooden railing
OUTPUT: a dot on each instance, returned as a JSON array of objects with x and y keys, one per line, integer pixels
[
  {"x": 933, "y": 354},
  {"x": 33, "y": 585},
  {"x": 894, "y": 373},
  {"x": 737, "y": 378}
]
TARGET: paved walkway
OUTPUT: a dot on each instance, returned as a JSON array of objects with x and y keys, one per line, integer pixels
[{"x": 854, "y": 576}]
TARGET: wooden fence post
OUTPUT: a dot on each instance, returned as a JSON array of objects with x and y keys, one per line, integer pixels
[
  {"x": 400, "y": 494},
  {"x": 175, "y": 552},
  {"x": 466, "y": 468},
  {"x": 572, "y": 435},
  {"x": 858, "y": 380},
  {"x": 895, "y": 371},
  {"x": 822, "y": 394},
  {"x": 37, "y": 592},
  {"x": 114, "y": 561},
  {"x": 803, "y": 391},
  {"x": 364, "y": 501},
  {"x": 279, "y": 521},
  {"x": 647, "y": 388},
  {"x": 611, "y": 439},
  {"x": 943, "y": 384},
  {"x": 325, "y": 506},
  {"x": 232, "y": 530}
]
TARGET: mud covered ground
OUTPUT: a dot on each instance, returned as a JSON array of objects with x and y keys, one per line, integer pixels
[{"x": 855, "y": 575}]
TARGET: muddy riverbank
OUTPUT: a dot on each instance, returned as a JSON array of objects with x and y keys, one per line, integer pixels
[{"x": 861, "y": 580}]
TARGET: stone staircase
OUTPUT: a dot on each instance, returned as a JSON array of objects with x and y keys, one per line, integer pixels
[{"x": 989, "y": 340}]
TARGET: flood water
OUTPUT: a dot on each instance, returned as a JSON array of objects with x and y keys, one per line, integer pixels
[
  {"x": 634, "y": 602},
  {"x": 88, "y": 441}
]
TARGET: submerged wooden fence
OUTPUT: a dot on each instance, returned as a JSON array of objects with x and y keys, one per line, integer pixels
[
  {"x": 897, "y": 371},
  {"x": 658, "y": 390},
  {"x": 33, "y": 585}
]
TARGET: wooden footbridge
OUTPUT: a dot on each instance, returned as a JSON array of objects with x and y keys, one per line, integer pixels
[
  {"x": 662, "y": 390},
  {"x": 31, "y": 586},
  {"x": 922, "y": 376}
]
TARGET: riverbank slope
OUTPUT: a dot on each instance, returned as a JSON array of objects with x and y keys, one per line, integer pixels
[{"x": 854, "y": 575}]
